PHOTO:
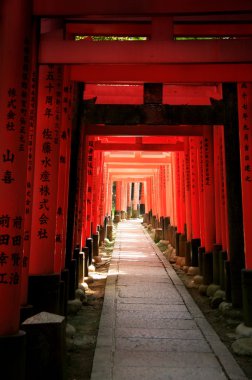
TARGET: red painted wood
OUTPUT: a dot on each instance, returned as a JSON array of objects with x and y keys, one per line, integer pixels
[
  {"x": 30, "y": 167},
  {"x": 145, "y": 52},
  {"x": 167, "y": 73},
  {"x": 63, "y": 175},
  {"x": 201, "y": 191},
  {"x": 140, "y": 8},
  {"x": 188, "y": 204},
  {"x": 194, "y": 181},
  {"x": 43, "y": 231},
  {"x": 15, "y": 41},
  {"x": 245, "y": 136},
  {"x": 223, "y": 191},
  {"x": 143, "y": 130},
  {"x": 217, "y": 187},
  {"x": 209, "y": 202}
]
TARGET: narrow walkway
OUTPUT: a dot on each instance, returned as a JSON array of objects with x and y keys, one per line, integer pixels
[{"x": 150, "y": 328}]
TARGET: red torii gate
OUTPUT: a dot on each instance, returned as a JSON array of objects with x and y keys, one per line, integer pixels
[{"x": 231, "y": 62}]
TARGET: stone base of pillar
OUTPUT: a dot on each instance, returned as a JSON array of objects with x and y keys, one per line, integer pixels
[
  {"x": 195, "y": 244},
  {"x": 109, "y": 233},
  {"x": 247, "y": 296},
  {"x": 64, "y": 291},
  {"x": 89, "y": 244},
  {"x": 222, "y": 276},
  {"x": 117, "y": 218},
  {"x": 188, "y": 261},
  {"x": 207, "y": 268},
  {"x": 142, "y": 208},
  {"x": 81, "y": 266},
  {"x": 95, "y": 238},
  {"x": 201, "y": 252},
  {"x": 135, "y": 213},
  {"x": 85, "y": 251},
  {"x": 123, "y": 215},
  {"x": 72, "y": 279},
  {"x": 216, "y": 268},
  {"x": 158, "y": 235},
  {"x": 44, "y": 292},
  {"x": 13, "y": 356},
  {"x": 129, "y": 212},
  {"x": 228, "y": 290},
  {"x": 177, "y": 235},
  {"x": 46, "y": 351},
  {"x": 182, "y": 245},
  {"x": 102, "y": 235}
]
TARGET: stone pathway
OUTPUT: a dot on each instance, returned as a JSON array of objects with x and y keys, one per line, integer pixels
[{"x": 150, "y": 327}]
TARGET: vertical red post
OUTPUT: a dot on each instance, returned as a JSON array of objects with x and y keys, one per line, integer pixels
[
  {"x": 30, "y": 165},
  {"x": 201, "y": 192},
  {"x": 223, "y": 191},
  {"x": 118, "y": 196},
  {"x": 178, "y": 194},
  {"x": 182, "y": 190},
  {"x": 217, "y": 186},
  {"x": 245, "y": 136},
  {"x": 162, "y": 195},
  {"x": 188, "y": 190},
  {"x": 15, "y": 34},
  {"x": 89, "y": 187},
  {"x": 63, "y": 175},
  {"x": 45, "y": 192},
  {"x": 209, "y": 205},
  {"x": 194, "y": 179}
]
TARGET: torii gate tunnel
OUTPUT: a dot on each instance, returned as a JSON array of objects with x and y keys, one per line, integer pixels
[{"x": 112, "y": 109}]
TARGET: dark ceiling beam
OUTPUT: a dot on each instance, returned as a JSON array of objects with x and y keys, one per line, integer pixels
[
  {"x": 78, "y": 8},
  {"x": 142, "y": 130},
  {"x": 153, "y": 114}
]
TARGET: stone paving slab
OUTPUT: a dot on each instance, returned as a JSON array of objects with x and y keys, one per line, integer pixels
[
  {"x": 166, "y": 359},
  {"x": 157, "y": 345},
  {"x": 150, "y": 327},
  {"x": 148, "y": 373},
  {"x": 126, "y": 332}
]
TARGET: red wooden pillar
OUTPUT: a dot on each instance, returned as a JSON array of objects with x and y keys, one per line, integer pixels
[
  {"x": 178, "y": 193},
  {"x": 102, "y": 200},
  {"x": 209, "y": 202},
  {"x": 194, "y": 180},
  {"x": 174, "y": 188},
  {"x": 46, "y": 170},
  {"x": 118, "y": 205},
  {"x": 80, "y": 207},
  {"x": 245, "y": 136},
  {"x": 89, "y": 187},
  {"x": 201, "y": 192},
  {"x": 188, "y": 190},
  {"x": 223, "y": 192},
  {"x": 63, "y": 175},
  {"x": 95, "y": 196},
  {"x": 30, "y": 165},
  {"x": 129, "y": 203},
  {"x": 217, "y": 186},
  {"x": 15, "y": 33},
  {"x": 162, "y": 194},
  {"x": 182, "y": 191}
]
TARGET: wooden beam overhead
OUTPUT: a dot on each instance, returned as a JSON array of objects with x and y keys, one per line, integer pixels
[
  {"x": 153, "y": 114},
  {"x": 166, "y": 73},
  {"x": 142, "y": 130},
  {"x": 79, "y": 8},
  {"x": 145, "y": 52},
  {"x": 139, "y": 147}
]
